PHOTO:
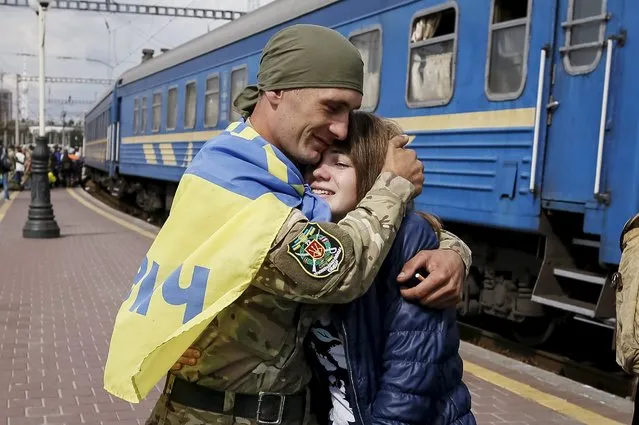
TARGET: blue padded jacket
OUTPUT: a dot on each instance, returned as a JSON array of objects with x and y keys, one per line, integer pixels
[{"x": 403, "y": 358}]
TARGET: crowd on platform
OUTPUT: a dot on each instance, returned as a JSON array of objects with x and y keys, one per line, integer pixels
[{"x": 65, "y": 167}]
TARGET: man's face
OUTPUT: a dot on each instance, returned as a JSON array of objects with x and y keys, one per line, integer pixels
[{"x": 309, "y": 121}]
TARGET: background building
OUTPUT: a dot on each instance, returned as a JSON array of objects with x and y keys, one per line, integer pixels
[{"x": 6, "y": 106}]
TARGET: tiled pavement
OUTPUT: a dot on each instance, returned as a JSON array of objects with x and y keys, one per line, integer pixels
[
  {"x": 57, "y": 303},
  {"x": 58, "y": 299},
  {"x": 494, "y": 405}
]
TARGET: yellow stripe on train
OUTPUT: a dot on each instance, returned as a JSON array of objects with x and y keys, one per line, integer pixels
[{"x": 505, "y": 118}]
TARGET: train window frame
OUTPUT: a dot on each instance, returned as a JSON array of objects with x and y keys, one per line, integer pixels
[
  {"x": 231, "y": 99},
  {"x": 569, "y": 24},
  {"x": 168, "y": 111},
  {"x": 524, "y": 72},
  {"x": 186, "y": 105},
  {"x": 209, "y": 93},
  {"x": 157, "y": 129},
  {"x": 136, "y": 117},
  {"x": 143, "y": 115},
  {"x": 419, "y": 14},
  {"x": 366, "y": 30}
]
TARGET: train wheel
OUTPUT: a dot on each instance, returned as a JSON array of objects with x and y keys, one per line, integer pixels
[{"x": 535, "y": 331}]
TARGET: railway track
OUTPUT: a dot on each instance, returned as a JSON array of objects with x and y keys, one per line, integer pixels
[
  {"x": 617, "y": 383},
  {"x": 104, "y": 196}
]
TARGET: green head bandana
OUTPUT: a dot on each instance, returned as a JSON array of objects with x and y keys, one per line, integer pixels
[{"x": 304, "y": 56}]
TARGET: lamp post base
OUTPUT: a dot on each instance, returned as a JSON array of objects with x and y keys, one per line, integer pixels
[
  {"x": 41, "y": 222},
  {"x": 41, "y": 229}
]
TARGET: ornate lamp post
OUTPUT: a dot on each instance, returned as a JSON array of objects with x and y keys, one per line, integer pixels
[{"x": 41, "y": 222}]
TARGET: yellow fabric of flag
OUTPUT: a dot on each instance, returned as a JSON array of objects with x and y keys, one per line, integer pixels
[{"x": 220, "y": 229}]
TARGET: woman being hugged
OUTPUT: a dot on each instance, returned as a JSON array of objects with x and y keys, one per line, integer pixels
[{"x": 381, "y": 359}]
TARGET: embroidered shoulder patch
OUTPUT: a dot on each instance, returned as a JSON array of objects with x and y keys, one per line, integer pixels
[{"x": 318, "y": 252}]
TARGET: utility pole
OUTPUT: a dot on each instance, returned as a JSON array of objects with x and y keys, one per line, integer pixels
[
  {"x": 63, "y": 117},
  {"x": 109, "y": 48},
  {"x": 17, "y": 139},
  {"x": 41, "y": 222}
]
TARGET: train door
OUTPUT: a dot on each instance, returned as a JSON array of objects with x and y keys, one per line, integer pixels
[
  {"x": 578, "y": 117},
  {"x": 113, "y": 137},
  {"x": 116, "y": 131},
  {"x": 577, "y": 108},
  {"x": 109, "y": 138}
]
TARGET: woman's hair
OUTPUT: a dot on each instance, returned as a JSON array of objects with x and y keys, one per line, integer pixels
[{"x": 366, "y": 145}]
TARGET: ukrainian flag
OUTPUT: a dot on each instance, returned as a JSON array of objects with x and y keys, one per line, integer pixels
[{"x": 229, "y": 206}]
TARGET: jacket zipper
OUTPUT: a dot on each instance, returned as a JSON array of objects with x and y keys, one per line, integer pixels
[{"x": 350, "y": 375}]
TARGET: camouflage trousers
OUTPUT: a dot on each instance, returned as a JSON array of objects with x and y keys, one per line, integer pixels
[{"x": 167, "y": 412}]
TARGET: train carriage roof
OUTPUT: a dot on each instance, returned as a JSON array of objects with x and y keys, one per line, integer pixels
[
  {"x": 273, "y": 14},
  {"x": 105, "y": 95}
]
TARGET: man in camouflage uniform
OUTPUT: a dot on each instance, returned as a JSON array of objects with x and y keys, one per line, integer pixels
[
  {"x": 627, "y": 283},
  {"x": 252, "y": 368}
]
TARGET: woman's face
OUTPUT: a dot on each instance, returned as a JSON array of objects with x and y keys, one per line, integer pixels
[{"x": 334, "y": 180}]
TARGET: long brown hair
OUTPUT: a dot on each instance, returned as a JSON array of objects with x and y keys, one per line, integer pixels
[{"x": 366, "y": 145}]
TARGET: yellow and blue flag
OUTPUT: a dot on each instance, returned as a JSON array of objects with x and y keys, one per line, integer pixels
[{"x": 229, "y": 206}]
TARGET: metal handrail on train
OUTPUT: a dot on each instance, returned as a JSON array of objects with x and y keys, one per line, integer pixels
[
  {"x": 540, "y": 95},
  {"x": 602, "y": 122}
]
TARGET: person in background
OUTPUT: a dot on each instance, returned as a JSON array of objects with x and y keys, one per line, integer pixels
[
  {"x": 5, "y": 167},
  {"x": 20, "y": 162}
]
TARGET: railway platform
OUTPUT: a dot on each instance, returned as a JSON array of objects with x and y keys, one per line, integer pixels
[{"x": 58, "y": 299}]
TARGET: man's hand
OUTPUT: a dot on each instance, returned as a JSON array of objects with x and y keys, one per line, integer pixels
[
  {"x": 442, "y": 288},
  {"x": 404, "y": 163},
  {"x": 189, "y": 358}
]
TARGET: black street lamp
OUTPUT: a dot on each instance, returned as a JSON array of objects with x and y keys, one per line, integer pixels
[{"x": 41, "y": 222}]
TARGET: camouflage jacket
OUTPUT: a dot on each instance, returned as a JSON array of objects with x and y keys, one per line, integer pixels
[{"x": 256, "y": 343}]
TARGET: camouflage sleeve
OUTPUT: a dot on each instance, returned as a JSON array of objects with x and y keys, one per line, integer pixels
[
  {"x": 450, "y": 241},
  {"x": 336, "y": 262}
]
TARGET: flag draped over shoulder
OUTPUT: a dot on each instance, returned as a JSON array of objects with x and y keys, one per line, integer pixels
[{"x": 229, "y": 206}]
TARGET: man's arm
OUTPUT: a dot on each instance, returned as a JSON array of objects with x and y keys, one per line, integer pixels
[
  {"x": 336, "y": 262},
  {"x": 448, "y": 240},
  {"x": 447, "y": 269}
]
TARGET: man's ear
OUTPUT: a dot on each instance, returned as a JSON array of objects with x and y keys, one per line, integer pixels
[{"x": 274, "y": 97}]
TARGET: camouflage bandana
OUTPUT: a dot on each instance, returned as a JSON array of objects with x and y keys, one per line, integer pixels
[{"x": 304, "y": 56}]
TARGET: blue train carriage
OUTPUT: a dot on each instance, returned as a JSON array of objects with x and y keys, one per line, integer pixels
[
  {"x": 518, "y": 109},
  {"x": 521, "y": 113},
  {"x": 99, "y": 140}
]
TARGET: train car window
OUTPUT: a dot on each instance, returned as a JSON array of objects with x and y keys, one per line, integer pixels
[
  {"x": 239, "y": 80},
  {"x": 585, "y": 31},
  {"x": 143, "y": 116},
  {"x": 171, "y": 109},
  {"x": 157, "y": 111},
  {"x": 212, "y": 101},
  {"x": 190, "y": 103},
  {"x": 431, "y": 66},
  {"x": 507, "y": 49},
  {"x": 369, "y": 44},
  {"x": 136, "y": 111}
]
